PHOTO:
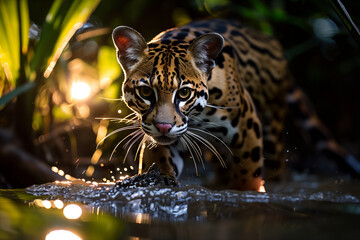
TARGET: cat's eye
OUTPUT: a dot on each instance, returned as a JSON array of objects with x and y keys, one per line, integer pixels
[
  {"x": 184, "y": 93},
  {"x": 145, "y": 92}
]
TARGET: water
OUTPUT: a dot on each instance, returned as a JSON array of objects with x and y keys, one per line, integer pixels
[{"x": 304, "y": 208}]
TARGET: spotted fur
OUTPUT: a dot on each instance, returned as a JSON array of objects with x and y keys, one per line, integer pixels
[{"x": 215, "y": 83}]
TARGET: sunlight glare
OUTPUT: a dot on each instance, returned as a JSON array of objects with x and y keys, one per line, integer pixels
[
  {"x": 62, "y": 234},
  {"x": 80, "y": 90},
  {"x": 72, "y": 211}
]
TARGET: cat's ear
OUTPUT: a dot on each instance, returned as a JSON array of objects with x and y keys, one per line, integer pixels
[
  {"x": 130, "y": 46},
  {"x": 205, "y": 49}
]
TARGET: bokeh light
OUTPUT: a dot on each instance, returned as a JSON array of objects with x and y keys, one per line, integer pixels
[
  {"x": 72, "y": 211},
  {"x": 58, "y": 204},
  {"x": 46, "y": 204},
  {"x": 80, "y": 90},
  {"x": 61, "y": 235}
]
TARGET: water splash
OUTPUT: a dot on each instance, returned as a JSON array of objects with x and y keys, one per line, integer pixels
[{"x": 147, "y": 195}]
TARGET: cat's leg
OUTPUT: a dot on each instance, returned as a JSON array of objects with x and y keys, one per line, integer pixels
[
  {"x": 247, "y": 167},
  {"x": 168, "y": 161},
  {"x": 273, "y": 135}
]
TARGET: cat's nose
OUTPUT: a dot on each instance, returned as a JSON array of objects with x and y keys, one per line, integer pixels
[{"x": 163, "y": 128}]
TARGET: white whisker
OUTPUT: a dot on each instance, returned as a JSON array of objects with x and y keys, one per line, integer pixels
[
  {"x": 112, "y": 99},
  {"x": 145, "y": 138},
  {"x": 209, "y": 146},
  {"x": 220, "y": 107},
  {"x": 152, "y": 144},
  {"x": 195, "y": 147},
  {"x": 132, "y": 144},
  {"x": 117, "y": 131},
  {"x": 199, "y": 120},
  {"x": 135, "y": 133},
  {"x": 130, "y": 118},
  {"x": 120, "y": 120},
  {"x": 183, "y": 141},
  {"x": 214, "y": 136}
]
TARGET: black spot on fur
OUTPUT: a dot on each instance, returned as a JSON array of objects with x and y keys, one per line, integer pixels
[
  {"x": 220, "y": 28},
  {"x": 211, "y": 112},
  {"x": 229, "y": 50},
  {"x": 244, "y": 171},
  {"x": 128, "y": 89},
  {"x": 246, "y": 108},
  {"x": 246, "y": 155},
  {"x": 244, "y": 133},
  {"x": 222, "y": 130},
  {"x": 236, "y": 159},
  {"x": 198, "y": 108},
  {"x": 234, "y": 139},
  {"x": 131, "y": 103},
  {"x": 258, "y": 172},
  {"x": 216, "y": 92},
  {"x": 220, "y": 60},
  {"x": 249, "y": 123},
  {"x": 236, "y": 119},
  {"x": 257, "y": 129},
  {"x": 165, "y": 41},
  {"x": 255, "y": 154},
  {"x": 153, "y": 45},
  {"x": 235, "y": 33},
  {"x": 202, "y": 93}
]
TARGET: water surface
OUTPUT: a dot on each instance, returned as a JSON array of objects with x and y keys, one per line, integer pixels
[{"x": 304, "y": 208}]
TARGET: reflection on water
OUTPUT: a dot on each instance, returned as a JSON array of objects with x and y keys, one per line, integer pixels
[
  {"x": 62, "y": 235},
  {"x": 58, "y": 204},
  {"x": 193, "y": 203},
  {"x": 305, "y": 208},
  {"x": 72, "y": 211}
]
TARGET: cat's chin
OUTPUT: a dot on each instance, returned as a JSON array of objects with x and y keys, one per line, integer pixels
[{"x": 163, "y": 140}]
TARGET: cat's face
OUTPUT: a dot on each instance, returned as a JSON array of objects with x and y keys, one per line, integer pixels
[{"x": 166, "y": 82}]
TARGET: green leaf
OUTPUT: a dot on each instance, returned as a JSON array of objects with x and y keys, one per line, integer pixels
[
  {"x": 16, "y": 92},
  {"x": 2, "y": 81},
  {"x": 108, "y": 66},
  {"x": 62, "y": 21},
  {"x": 9, "y": 40},
  {"x": 25, "y": 25},
  {"x": 112, "y": 92}
]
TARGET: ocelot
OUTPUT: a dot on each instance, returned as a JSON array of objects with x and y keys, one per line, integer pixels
[{"x": 214, "y": 86}]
